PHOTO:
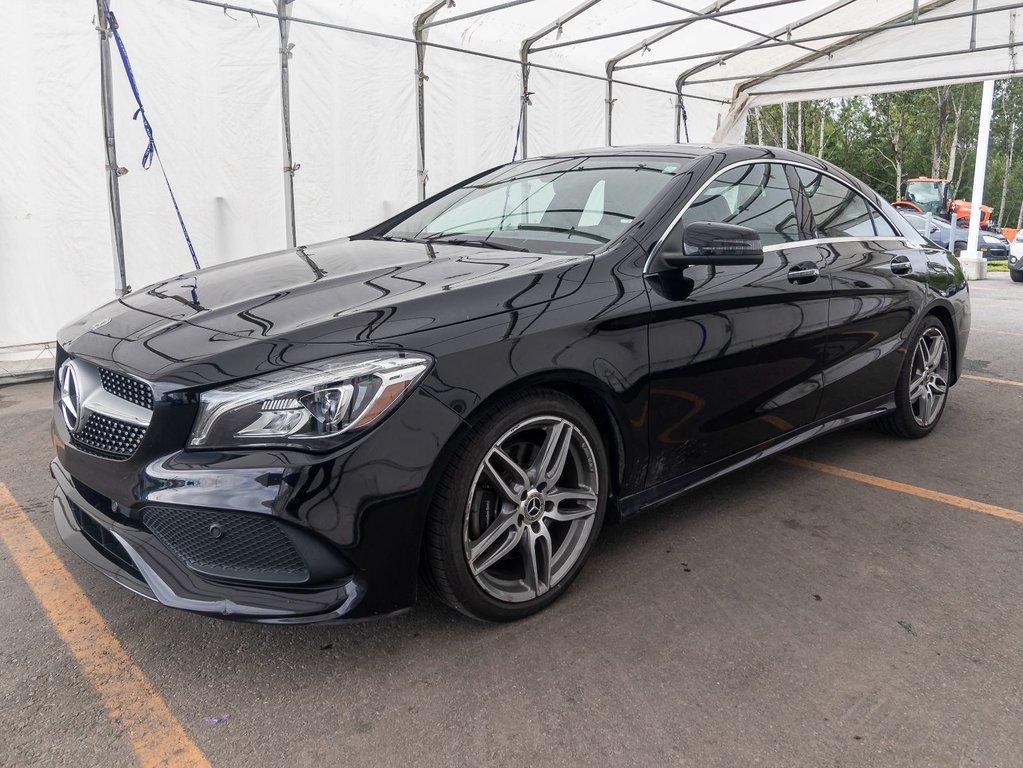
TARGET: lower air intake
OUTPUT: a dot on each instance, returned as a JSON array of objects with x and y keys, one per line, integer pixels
[{"x": 228, "y": 545}]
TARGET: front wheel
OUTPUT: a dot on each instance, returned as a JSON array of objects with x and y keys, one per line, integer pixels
[
  {"x": 1016, "y": 275},
  {"x": 518, "y": 509},
  {"x": 922, "y": 388}
]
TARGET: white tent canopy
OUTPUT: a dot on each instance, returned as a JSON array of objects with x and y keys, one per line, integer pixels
[{"x": 368, "y": 126}]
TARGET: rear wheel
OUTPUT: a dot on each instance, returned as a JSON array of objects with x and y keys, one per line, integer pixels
[
  {"x": 518, "y": 509},
  {"x": 922, "y": 388}
]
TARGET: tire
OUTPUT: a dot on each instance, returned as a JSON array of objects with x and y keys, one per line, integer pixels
[
  {"x": 494, "y": 508},
  {"x": 1016, "y": 275},
  {"x": 921, "y": 391}
]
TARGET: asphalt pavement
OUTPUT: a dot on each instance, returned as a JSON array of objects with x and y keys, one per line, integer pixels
[{"x": 787, "y": 615}]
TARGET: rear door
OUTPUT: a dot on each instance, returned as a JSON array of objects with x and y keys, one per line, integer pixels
[
  {"x": 878, "y": 284},
  {"x": 736, "y": 352}
]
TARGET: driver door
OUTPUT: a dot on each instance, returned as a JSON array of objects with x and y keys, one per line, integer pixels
[{"x": 736, "y": 352}]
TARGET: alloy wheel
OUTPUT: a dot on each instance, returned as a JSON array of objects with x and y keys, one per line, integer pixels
[
  {"x": 531, "y": 509},
  {"x": 928, "y": 381}
]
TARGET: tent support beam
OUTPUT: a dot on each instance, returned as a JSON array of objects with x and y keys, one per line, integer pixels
[
  {"x": 901, "y": 20},
  {"x": 643, "y": 45},
  {"x": 524, "y": 51},
  {"x": 917, "y": 82},
  {"x": 826, "y": 36},
  {"x": 871, "y": 63},
  {"x": 817, "y": 16},
  {"x": 418, "y": 35},
  {"x": 121, "y": 286},
  {"x": 473, "y": 14},
  {"x": 713, "y": 16},
  {"x": 974, "y": 265},
  {"x": 221, "y": 6},
  {"x": 284, "y": 23}
]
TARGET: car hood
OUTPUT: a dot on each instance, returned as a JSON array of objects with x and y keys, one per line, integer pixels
[{"x": 342, "y": 293}]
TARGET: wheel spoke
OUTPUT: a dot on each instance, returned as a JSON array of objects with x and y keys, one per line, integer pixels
[
  {"x": 926, "y": 402},
  {"x": 917, "y": 387},
  {"x": 581, "y": 503},
  {"x": 937, "y": 349},
  {"x": 537, "y": 552},
  {"x": 550, "y": 461},
  {"x": 509, "y": 492},
  {"x": 938, "y": 384},
  {"x": 491, "y": 547}
]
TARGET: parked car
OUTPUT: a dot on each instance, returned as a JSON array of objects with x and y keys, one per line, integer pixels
[
  {"x": 475, "y": 386},
  {"x": 1016, "y": 258},
  {"x": 992, "y": 245},
  {"x": 1016, "y": 246},
  {"x": 939, "y": 232}
]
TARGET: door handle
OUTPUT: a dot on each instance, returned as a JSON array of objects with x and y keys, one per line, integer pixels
[
  {"x": 901, "y": 265},
  {"x": 803, "y": 274}
]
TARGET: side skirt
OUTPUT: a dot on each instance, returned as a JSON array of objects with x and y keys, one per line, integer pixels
[{"x": 672, "y": 489}]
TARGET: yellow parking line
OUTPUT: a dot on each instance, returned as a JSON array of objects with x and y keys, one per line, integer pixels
[
  {"x": 992, "y": 330},
  {"x": 130, "y": 699},
  {"x": 913, "y": 490},
  {"x": 992, "y": 380}
]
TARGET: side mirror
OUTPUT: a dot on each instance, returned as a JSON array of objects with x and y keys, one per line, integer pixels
[{"x": 714, "y": 243}]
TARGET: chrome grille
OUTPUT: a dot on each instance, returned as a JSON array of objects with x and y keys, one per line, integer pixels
[
  {"x": 109, "y": 437},
  {"x": 127, "y": 388}
]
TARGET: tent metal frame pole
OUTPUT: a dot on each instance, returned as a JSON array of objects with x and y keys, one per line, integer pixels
[
  {"x": 418, "y": 35},
  {"x": 473, "y": 14},
  {"x": 777, "y": 37},
  {"x": 439, "y": 46},
  {"x": 284, "y": 23},
  {"x": 754, "y": 45},
  {"x": 643, "y": 45},
  {"x": 874, "y": 62},
  {"x": 713, "y": 16},
  {"x": 114, "y": 171},
  {"x": 853, "y": 38},
  {"x": 829, "y": 35},
  {"x": 524, "y": 50},
  {"x": 968, "y": 77}
]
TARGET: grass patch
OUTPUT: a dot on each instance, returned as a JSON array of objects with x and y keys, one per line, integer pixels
[{"x": 998, "y": 266}]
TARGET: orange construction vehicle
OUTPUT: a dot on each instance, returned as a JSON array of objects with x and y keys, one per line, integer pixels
[{"x": 936, "y": 196}]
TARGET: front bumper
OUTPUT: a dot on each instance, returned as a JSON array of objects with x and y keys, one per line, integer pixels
[{"x": 136, "y": 559}]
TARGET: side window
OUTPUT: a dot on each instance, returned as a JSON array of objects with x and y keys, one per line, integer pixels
[
  {"x": 755, "y": 196},
  {"x": 881, "y": 225},
  {"x": 838, "y": 210}
]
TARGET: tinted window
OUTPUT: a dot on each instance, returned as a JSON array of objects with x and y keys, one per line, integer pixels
[
  {"x": 556, "y": 205},
  {"x": 754, "y": 196},
  {"x": 837, "y": 209},
  {"x": 881, "y": 225}
]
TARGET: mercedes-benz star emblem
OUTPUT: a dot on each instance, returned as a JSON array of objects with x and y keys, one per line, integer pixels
[{"x": 69, "y": 395}]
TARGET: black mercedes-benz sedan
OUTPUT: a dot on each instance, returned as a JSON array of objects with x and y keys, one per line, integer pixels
[{"x": 470, "y": 390}]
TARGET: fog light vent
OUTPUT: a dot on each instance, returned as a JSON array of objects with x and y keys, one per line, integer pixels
[{"x": 228, "y": 545}]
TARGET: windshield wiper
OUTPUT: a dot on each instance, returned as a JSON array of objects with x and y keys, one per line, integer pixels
[
  {"x": 478, "y": 242},
  {"x": 394, "y": 238}
]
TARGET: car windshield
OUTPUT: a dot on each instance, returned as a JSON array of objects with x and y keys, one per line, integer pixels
[
  {"x": 924, "y": 192},
  {"x": 555, "y": 205}
]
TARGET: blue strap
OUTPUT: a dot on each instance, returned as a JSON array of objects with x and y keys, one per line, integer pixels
[{"x": 151, "y": 150}]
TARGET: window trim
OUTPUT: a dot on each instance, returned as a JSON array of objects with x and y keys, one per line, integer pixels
[
  {"x": 871, "y": 208},
  {"x": 656, "y": 250}
]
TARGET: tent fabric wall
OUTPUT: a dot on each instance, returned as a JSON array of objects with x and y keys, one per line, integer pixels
[{"x": 210, "y": 81}]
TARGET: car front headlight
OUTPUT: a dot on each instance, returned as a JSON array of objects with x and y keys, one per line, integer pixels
[{"x": 307, "y": 406}]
